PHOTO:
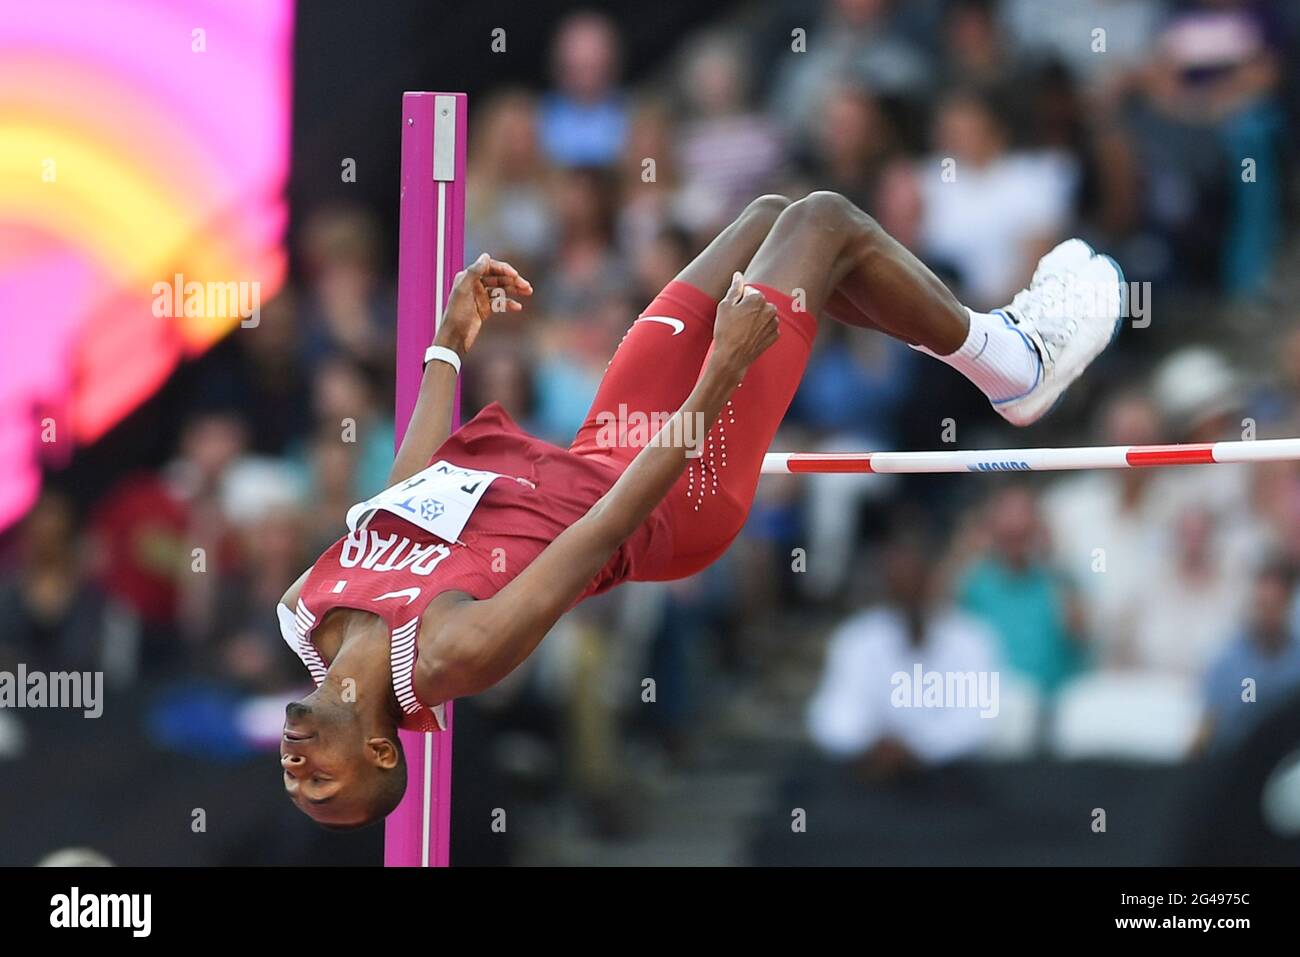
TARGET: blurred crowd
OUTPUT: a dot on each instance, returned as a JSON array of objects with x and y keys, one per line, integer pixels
[{"x": 1122, "y": 610}]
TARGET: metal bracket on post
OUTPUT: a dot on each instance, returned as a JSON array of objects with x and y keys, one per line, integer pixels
[{"x": 444, "y": 137}]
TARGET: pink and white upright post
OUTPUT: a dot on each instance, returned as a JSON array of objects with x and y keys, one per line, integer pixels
[{"x": 431, "y": 251}]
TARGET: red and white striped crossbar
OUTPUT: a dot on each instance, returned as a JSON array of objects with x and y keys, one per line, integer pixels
[{"x": 1033, "y": 460}]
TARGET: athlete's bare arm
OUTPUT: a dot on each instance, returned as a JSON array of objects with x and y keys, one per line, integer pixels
[
  {"x": 290, "y": 597},
  {"x": 470, "y": 304},
  {"x": 477, "y": 643}
]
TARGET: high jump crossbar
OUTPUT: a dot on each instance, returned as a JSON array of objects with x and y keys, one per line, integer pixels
[
  {"x": 431, "y": 250},
  {"x": 1033, "y": 460}
]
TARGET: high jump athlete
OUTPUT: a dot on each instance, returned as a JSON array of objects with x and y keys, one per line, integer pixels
[{"x": 449, "y": 579}]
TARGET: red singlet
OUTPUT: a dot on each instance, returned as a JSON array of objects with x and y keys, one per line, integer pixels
[{"x": 393, "y": 569}]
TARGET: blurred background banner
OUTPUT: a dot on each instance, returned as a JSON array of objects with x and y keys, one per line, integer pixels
[
  {"x": 1132, "y": 639},
  {"x": 140, "y": 141}
]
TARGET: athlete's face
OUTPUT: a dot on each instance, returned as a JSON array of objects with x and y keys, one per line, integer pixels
[{"x": 329, "y": 769}]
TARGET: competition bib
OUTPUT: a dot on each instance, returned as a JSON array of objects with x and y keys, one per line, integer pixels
[{"x": 439, "y": 500}]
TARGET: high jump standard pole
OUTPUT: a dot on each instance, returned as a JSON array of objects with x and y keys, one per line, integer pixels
[{"x": 431, "y": 250}]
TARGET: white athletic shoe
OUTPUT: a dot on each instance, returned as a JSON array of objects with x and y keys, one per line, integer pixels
[{"x": 1070, "y": 313}]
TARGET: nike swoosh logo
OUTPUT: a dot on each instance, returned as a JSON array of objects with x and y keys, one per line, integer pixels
[
  {"x": 410, "y": 594},
  {"x": 677, "y": 325}
]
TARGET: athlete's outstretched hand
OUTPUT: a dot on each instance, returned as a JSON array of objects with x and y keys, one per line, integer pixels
[
  {"x": 745, "y": 326},
  {"x": 483, "y": 287}
]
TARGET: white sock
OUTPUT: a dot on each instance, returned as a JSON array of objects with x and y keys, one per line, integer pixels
[{"x": 995, "y": 356}]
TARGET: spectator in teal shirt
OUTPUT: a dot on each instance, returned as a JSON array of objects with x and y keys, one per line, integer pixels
[{"x": 1021, "y": 597}]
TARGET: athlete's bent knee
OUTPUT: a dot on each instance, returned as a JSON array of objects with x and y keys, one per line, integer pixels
[
  {"x": 827, "y": 210},
  {"x": 825, "y": 204},
  {"x": 766, "y": 209},
  {"x": 832, "y": 209}
]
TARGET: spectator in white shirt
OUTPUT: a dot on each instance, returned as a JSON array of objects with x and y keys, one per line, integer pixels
[
  {"x": 989, "y": 214},
  {"x": 1191, "y": 601},
  {"x": 1104, "y": 529},
  {"x": 866, "y": 710}
]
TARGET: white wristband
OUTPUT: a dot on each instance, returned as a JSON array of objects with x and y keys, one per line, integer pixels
[{"x": 442, "y": 354}]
